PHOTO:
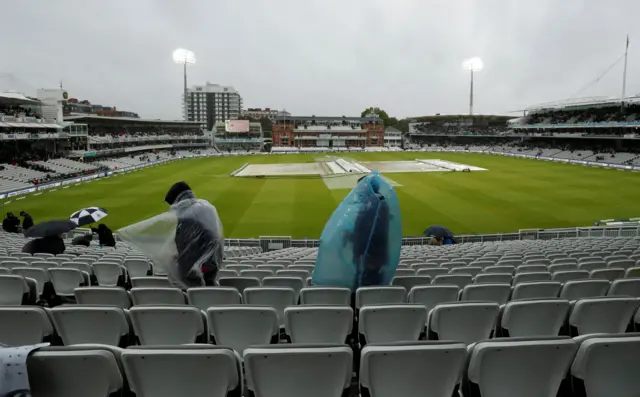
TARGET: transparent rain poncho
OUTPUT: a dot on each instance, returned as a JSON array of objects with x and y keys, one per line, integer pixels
[
  {"x": 181, "y": 240},
  {"x": 360, "y": 244}
]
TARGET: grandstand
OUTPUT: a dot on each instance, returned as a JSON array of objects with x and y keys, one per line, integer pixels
[
  {"x": 239, "y": 136},
  {"x": 525, "y": 317}
]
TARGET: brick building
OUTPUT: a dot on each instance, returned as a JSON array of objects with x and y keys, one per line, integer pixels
[{"x": 329, "y": 132}]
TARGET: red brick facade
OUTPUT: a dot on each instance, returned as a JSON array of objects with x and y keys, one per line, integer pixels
[{"x": 283, "y": 134}]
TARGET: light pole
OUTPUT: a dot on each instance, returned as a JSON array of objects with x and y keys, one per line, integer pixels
[
  {"x": 472, "y": 65},
  {"x": 184, "y": 57}
]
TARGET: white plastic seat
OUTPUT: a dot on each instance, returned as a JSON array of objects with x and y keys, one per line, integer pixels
[
  {"x": 226, "y": 273},
  {"x": 78, "y": 324},
  {"x": 518, "y": 367},
  {"x": 65, "y": 281},
  {"x": 432, "y": 295},
  {"x": 307, "y": 268},
  {"x": 294, "y": 283},
  {"x": 411, "y": 369},
  {"x": 13, "y": 289},
  {"x": 602, "y": 315},
  {"x": 380, "y": 295},
  {"x": 409, "y": 282},
  {"x": 24, "y": 325},
  {"x": 531, "y": 277},
  {"x": 621, "y": 263},
  {"x": 459, "y": 280},
  {"x": 108, "y": 274},
  {"x": 531, "y": 268},
  {"x": 470, "y": 270},
  {"x": 537, "y": 262},
  {"x": 259, "y": 274},
  {"x": 501, "y": 269},
  {"x": 39, "y": 275},
  {"x": 10, "y": 264},
  {"x": 432, "y": 272},
  {"x": 578, "y": 289},
  {"x": 592, "y": 265},
  {"x": 570, "y": 275},
  {"x": 608, "y": 274},
  {"x": 325, "y": 296},
  {"x": 205, "y": 297},
  {"x": 108, "y": 296},
  {"x": 75, "y": 371},
  {"x": 157, "y": 296},
  {"x": 493, "y": 278},
  {"x": 606, "y": 367},
  {"x": 562, "y": 267},
  {"x": 137, "y": 267},
  {"x": 292, "y": 273},
  {"x": 167, "y": 371},
  {"x": 404, "y": 272},
  {"x": 238, "y": 268},
  {"x": 498, "y": 293},
  {"x": 538, "y": 317},
  {"x": 537, "y": 289},
  {"x": 564, "y": 261},
  {"x": 466, "y": 322},
  {"x": 293, "y": 371},
  {"x": 273, "y": 268},
  {"x": 239, "y": 283},
  {"x": 150, "y": 282},
  {"x": 152, "y": 325},
  {"x": 632, "y": 272},
  {"x": 242, "y": 326},
  {"x": 277, "y": 297},
  {"x": 391, "y": 323},
  {"x": 318, "y": 324},
  {"x": 625, "y": 287}
]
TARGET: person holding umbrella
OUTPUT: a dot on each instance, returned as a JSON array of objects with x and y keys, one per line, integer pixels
[
  {"x": 91, "y": 215},
  {"x": 48, "y": 238},
  {"x": 440, "y": 234},
  {"x": 105, "y": 236},
  {"x": 27, "y": 222}
]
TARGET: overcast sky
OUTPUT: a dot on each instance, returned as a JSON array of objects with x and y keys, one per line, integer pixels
[{"x": 324, "y": 57}]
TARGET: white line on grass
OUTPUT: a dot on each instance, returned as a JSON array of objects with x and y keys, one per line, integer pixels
[{"x": 21, "y": 198}]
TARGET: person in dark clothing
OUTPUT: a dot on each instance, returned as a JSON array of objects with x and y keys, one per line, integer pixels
[
  {"x": 85, "y": 240},
  {"x": 195, "y": 237},
  {"x": 45, "y": 245},
  {"x": 27, "y": 222},
  {"x": 10, "y": 223},
  {"x": 105, "y": 236}
]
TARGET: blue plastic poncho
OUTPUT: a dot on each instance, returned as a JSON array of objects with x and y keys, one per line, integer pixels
[{"x": 360, "y": 244}]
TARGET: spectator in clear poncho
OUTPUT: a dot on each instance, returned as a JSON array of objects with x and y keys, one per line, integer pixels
[{"x": 186, "y": 241}]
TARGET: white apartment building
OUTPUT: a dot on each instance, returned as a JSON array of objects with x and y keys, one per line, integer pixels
[{"x": 210, "y": 103}]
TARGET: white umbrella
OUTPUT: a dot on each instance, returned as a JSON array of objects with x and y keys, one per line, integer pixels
[{"x": 88, "y": 215}]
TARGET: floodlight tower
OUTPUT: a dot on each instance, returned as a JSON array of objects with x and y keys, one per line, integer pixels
[
  {"x": 184, "y": 57},
  {"x": 472, "y": 65}
]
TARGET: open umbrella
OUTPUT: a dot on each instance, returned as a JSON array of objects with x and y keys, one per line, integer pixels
[
  {"x": 50, "y": 228},
  {"x": 438, "y": 231},
  {"x": 88, "y": 215}
]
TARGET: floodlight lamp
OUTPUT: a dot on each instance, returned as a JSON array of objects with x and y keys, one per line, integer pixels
[
  {"x": 473, "y": 64},
  {"x": 183, "y": 56}
]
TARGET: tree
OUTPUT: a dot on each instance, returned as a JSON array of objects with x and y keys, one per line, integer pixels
[
  {"x": 376, "y": 110},
  {"x": 267, "y": 126}
]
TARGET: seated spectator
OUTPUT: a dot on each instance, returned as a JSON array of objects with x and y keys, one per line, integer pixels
[
  {"x": 10, "y": 223},
  {"x": 105, "y": 236},
  {"x": 27, "y": 222},
  {"x": 46, "y": 245}
]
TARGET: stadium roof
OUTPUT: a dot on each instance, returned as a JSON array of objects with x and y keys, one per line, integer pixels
[
  {"x": 447, "y": 117},
  {"x": 586, "y": 102},
  {"x": 130, "y": 120},
  {"x": 325, "y": 118},
  {"x": 15, "y": 98}
]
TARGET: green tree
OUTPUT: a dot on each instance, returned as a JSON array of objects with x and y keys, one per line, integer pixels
[
  {"x": 376, "y": 110},
  {"x": 267, "y": 126}
]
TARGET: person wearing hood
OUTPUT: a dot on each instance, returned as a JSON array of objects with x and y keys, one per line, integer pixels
[
  {"x": 27, "y": 222},
  {"x": 84, "y": 240},
  {"x": 10, "y": 223},
  {"x": 105, "y": 236},
  {"x": 45, "y": 245},
  {"x": 196, "y": 242}
]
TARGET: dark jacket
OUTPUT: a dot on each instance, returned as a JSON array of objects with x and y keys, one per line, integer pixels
[
  {"x": 27, "y": 222},
  {"x": 195, "y": 240},
  {"x": 46, "y": 245},
  {"x": 10, "y": 224},
  {"x": 85, "y": 240},
  {"x": 105, "y": 236}
]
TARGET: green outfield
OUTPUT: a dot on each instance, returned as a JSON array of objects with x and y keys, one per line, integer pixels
[{"x": 513, "y": 194}]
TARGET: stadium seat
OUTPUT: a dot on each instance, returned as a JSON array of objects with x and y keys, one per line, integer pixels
[
  {"x": 531, "y": 277},
  {"x": 592, "y": 265},
  {"x": 432, "y": 295},
  {"x": 520, "y": 367},
  {"x": 239, "y": 268},
  {"x": 409, "y": 282},
  {"x": 277, "y": 297},
  {"x": 578, "y": 289},
  {"x": 307, "y": 268},
  {"x": 459, "y": 280},
  {"x": 466, "y": 322},
  {"x": 108, "y": 296},
  {"x": 498, "y": 293},
  {"x": 602, "y": 315},
  {"x": 564, "y": 261},
  {"x": 294, "y": 283},
  {"x": 621, "y": 264},
  {"x": 531, "y": 269},
  {"x": 239, "y": 283},
  {"x": 493, "y": 278},
  {"x": 150, "y": 324},
  {"x": 502, "y": 269},
  {"x": 259, "y": 274},
  {"x": 242, "y": 326},
  {"x": 24, "y": 325},
  {"x": 380, "y": 295},
  {"x": 293, "y": 273},
  {"x": 608, "y": 274},
  {"x": 10, "y": 264},
  {"x": 150, "y": 281},
  {"x": 75, "y": 371},
  {"x": 325, "y": 296},
  {"x": 606, "y": 366},
  {"x": 570, "y": 275},
  {"x": 65, "y": 281},
  {"x": 273, "y": 268},
  {"x": 77, "y": 324},
  {"x": 167, "y": 371},
  {"x": 510, "y": 262},
  {"x": 13, "y": 290},
  {"x": 157, "y": 296},
  {"x": 318, "y": 324},
  {"x": 137, "y": 267},
  {"x": 432, "y": 272},
  {"x": 538, "y": 262},
  {"x": 537, "y": 289},
  {"x": 206, "y": 297},
  {"x": 537, "y": 317},
  {"x": 411, "y": 369},
  {"x": 632, "y": 272},
  {"x": 391, "y": 323},
  {"x": 274, "y": 371},
  {"x": 39, "y": 275},
  {"x": 109, "y": 274},
  {"x": 471, "y": 270},
  {"x": 625, "y": 287}
]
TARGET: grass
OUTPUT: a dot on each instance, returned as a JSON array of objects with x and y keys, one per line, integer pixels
[{"x": 514, "y": 194}]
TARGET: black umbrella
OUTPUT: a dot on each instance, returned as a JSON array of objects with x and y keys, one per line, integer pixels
[
  {"x": 50, "y": 228},
  {"x": 438, "y": 231}
]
